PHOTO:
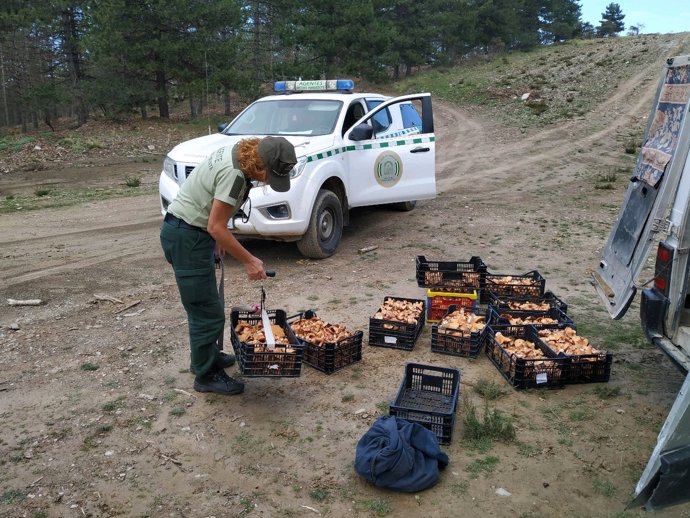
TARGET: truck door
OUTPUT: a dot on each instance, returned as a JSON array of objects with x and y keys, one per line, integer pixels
[
  {"x": 391, "y": 163},
  {"x": 651, "y": 190}
]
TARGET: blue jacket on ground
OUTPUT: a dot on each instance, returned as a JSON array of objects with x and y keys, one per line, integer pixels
[{"x": 399, "y": 455}]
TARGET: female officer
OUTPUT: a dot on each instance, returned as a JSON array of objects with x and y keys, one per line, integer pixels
[{"x": 196, "y": 228}]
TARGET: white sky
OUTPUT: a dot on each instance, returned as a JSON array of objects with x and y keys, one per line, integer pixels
[{"x": 662, "y": 16}]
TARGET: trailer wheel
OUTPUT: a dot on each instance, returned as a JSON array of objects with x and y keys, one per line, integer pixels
[{"x": 325, "y": 227}]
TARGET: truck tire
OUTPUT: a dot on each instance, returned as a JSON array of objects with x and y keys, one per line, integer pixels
[
  {"x": 325, "y": 227},
  {"x": 404, "y": 206}
]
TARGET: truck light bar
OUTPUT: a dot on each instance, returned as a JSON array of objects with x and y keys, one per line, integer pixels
[{"x": 325, "y": 85}]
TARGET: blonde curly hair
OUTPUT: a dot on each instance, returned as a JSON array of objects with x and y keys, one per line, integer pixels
[{"x": 250, "y": 161}]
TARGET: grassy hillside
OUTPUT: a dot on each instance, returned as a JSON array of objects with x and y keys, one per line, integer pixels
[{"x": 563, "y": 81}]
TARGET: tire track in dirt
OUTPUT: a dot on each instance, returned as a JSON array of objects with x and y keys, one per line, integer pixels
[
  {"x": 15, "y": 277},
  {"x": 502, "y": 168},
  {"x": 119, "y": 231},
  {"x": 115, "y": 230}
]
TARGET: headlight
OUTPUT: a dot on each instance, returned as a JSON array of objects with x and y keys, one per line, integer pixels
[
  {"x": 299, "y": 167},
  {"x": 169, "y": 167}
]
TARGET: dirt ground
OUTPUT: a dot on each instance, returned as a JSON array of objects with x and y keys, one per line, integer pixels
[{"x": 98, "y": 413}]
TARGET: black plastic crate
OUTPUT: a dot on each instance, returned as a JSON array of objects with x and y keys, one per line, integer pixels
[
  {"x": 452, "y": 276},
  {"x": 498, "y": 317},
  {"x": 457, "y": 342},
  {"x": 330, "y": 356},
  {"x": 428, "y": 395},
  {"x": 505, "y": 304},
  {"x": 530, "y": 284},
  {"x": 587, "y": 368},
  {"x": 590, "y": 368},
  {"x": 394, "y": 334},
  {"x": 523, "y": 373},
  {"x": 257, "y": 360}
]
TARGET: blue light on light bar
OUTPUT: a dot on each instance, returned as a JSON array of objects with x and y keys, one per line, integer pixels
[{"x": 346, "y": 85}]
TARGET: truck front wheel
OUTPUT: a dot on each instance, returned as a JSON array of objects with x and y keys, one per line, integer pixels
[{"x": 325, "y": 227}]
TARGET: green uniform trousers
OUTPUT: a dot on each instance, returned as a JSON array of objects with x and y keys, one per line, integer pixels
[{"x": 191, "y": 254}]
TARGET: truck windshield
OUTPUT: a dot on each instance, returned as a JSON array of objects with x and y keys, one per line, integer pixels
[{"x": 287, "y": 117}]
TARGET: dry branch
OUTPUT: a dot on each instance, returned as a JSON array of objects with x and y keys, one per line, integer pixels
[{"x": 26, "y": 302}]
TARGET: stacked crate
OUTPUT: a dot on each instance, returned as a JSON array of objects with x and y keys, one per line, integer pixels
[
  {"x": 513, "y": 303},
  {"x": 449, "y": 283}
]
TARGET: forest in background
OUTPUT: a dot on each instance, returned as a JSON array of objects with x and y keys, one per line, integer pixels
[{"x": 112, "y": 58}]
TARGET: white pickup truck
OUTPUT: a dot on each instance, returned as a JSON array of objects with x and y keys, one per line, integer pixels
[
  {"x": 656, "y": 212},
  {"x": 353, "y": 150}
]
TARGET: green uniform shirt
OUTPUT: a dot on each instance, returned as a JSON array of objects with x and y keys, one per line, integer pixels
[{"x": 217, "y": 177}]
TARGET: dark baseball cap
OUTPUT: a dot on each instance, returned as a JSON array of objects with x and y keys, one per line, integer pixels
[{"x": 278, "y": 155}]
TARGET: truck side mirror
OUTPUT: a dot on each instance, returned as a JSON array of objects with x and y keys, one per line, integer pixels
[
  {"x": 222, "y": 126},
  {"x": 361, "y": 132}
]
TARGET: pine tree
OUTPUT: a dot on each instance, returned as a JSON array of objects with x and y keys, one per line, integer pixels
[
  {"x": 611, "y": 21},
  {"x": 455, "y": 28},
  {"x": 560, "y": 20},
  {"x": 143, "y": 48}
]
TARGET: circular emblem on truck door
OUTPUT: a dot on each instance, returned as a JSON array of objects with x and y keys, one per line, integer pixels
[{"x": 388, "y": 169}]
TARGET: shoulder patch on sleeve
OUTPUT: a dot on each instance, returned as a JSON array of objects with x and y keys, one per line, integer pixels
[{"x": 236, "y": 189}]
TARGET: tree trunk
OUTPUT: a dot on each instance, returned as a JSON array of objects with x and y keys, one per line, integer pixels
[
  {"x": 162, "y": 99},
  {"x": 227, "y": 105},
  {"x": 257, "y": 41},
  {"x": 192, "y": 108},
  {"x": 47, "y": 119},
  {"x": 4, "y": 89},
  {"x": 71, "y": 34}
]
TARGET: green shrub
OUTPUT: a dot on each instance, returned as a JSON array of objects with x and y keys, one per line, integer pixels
[
  {"x": 132, "y": 181},
  {"x": 489, "y": 390},
  {"x": 495, "y": 426},
  {"x": 631, "y": 147}
]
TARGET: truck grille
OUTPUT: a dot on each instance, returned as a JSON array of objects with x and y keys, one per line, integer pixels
[{"x": 187, "y": 170}]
